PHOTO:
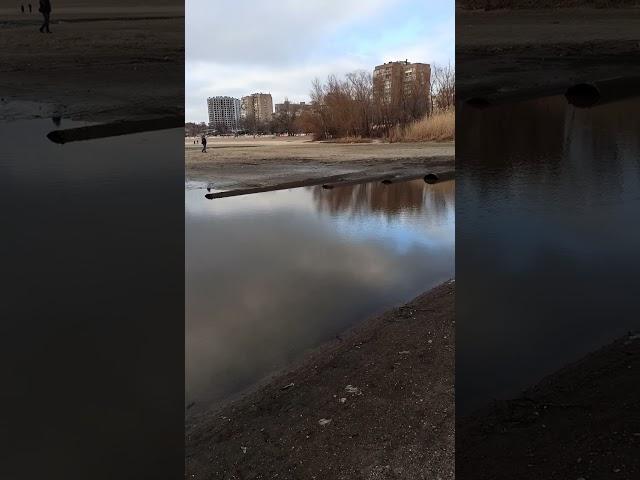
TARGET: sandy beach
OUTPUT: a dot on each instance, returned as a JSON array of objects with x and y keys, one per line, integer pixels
[
  {"x": 244, "y": 162},
  {"x": 377, "y": 402},
  {"x": 509, "y": 52},
  {"x": 105, "y": 62}
]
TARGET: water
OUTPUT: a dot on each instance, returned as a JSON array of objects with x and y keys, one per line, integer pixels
[
  {"x": 271, "y": 275},
  {"x": 547, "y": 240},
  {"x": 92, "y": 257}
]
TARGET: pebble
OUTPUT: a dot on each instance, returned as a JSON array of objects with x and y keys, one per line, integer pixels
[{"x": 352, "y": 389}]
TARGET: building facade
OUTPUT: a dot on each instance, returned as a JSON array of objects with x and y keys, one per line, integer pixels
[
  {"x": 393, "y": 81},
  {"x": 224, "y": 112},
  {"x": 258, "y": 106},
  {"x": 294, "y": 108}
]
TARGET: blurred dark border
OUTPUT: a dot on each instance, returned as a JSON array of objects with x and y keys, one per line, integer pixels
[
  {"x": 92, "y": 330},
  {"x": 581, "y": 419}
]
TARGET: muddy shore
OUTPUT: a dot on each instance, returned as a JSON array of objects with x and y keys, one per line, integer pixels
[
  {"x": 580, "y": 422},
  {"x": 101, "y": 63},
  {"x": 377, "y": 402},
  {"x": 246, "y": 163},
  {"x": 528, "y": 53}
]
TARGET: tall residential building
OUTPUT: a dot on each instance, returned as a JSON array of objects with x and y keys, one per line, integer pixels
[
  {"x": 258, "y": 106},
  {"x": 224, "y": 111},
  {"x": 393, "y": 80}
]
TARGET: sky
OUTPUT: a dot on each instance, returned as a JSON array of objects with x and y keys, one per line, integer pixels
[{"x": 238, "y": 47}]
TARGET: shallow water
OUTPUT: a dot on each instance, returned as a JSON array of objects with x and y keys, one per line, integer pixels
[
  {"x": 271, "y": 275},
  {"x": 547, "y": 240},
  {"x": 92, "y": 258}
]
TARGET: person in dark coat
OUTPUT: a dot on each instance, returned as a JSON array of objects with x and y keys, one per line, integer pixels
[
  {"x": 45, "y": 10},
  {"x": 30, "y": 9},
  {"x": 204, "y": 144},
  {"x": 22, "y": 8}
]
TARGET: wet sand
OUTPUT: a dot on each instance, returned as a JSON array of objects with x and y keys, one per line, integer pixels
[
  {"x": 521, "y": 53},
  {"x": 580, "y": 422},
  {"x": 104, "y": 62},
  {"x": 378, "y": 402},
  {"x": 244, "y": 163}
]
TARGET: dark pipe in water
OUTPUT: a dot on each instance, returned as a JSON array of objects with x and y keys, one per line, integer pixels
[
  {"x": 386, "y": 181},
  {"x": 586, "y": 95},
  {"x": 583, "y": 95},
  {"x": 327, "y": 187},
  {"x": 123, "y": 127},
  {"x": 431, "y": 178}
]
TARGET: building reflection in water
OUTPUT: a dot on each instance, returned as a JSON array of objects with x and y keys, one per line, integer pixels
[{"x": 390, "y": 200}]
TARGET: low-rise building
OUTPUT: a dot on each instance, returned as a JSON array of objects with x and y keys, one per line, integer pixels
[{"x": 291, "y": 107}]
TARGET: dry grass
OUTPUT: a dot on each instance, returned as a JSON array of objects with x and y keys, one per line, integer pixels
[
  {"x": 349, "y": 140},
  {"x": 439, "y": 127}
]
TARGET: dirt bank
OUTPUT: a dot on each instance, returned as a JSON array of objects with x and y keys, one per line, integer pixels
[
  {"x": 581, "y": 422},
  {"x": 247, "y": 163},
  {"x": 543, "y": 50},
  {"x": 100, "y": 63},
  {"x": 377, "y": 403}
]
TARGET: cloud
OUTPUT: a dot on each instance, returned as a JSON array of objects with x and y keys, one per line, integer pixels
[
  {"x": 279, "y": 47},
  {"x": 268, "y": 32}
]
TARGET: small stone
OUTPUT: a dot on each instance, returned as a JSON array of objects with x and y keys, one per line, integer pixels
[
  {"x": 244, "y": 449},
  {"x": 352, "y": 389},
  {"x": 343, "y": 400},
  {"x": 324, "y": 421}
]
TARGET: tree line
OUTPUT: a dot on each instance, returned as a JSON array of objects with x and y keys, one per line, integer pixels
[
  {"x": 359, "y": 106},
  {"x": 355, "y": 106}
]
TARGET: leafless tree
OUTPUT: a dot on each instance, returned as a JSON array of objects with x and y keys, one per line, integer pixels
[
  {"x": 360, "y": 106},
  {"x": 443, "y": 87}
]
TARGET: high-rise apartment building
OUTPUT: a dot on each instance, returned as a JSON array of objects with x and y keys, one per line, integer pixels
[
  {"x": 395, "y": 80},
  {"x": 258, "y": 106},
  {"x": 224, "y": 112}
]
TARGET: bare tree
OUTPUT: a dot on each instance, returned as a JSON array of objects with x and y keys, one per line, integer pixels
[
  {"x": 443, "y": 92},
  {"x": 362, "y": 106}
]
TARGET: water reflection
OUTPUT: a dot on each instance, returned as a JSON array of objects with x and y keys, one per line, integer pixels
[
  {"x": 271, "y": 275},
  {"x": 389, "y": 200},
  {"x": 547, "y": 240}
]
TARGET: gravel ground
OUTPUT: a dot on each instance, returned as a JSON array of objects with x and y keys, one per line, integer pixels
[
  {"x": 376, "y": 403},
  {"x": 581, "y": 422}
]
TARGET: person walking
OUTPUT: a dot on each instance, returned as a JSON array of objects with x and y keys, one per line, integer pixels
[
  {"x": 30, "y": 8},
  {"x": 204, "y": 144},
  {"x": 22, "y": 8},
  {"x": 45, "y": 10}
]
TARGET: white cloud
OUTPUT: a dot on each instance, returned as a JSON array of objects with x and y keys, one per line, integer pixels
[
  {"x": 267, "y": 31},
  {"x": 239, "y": 47}
]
